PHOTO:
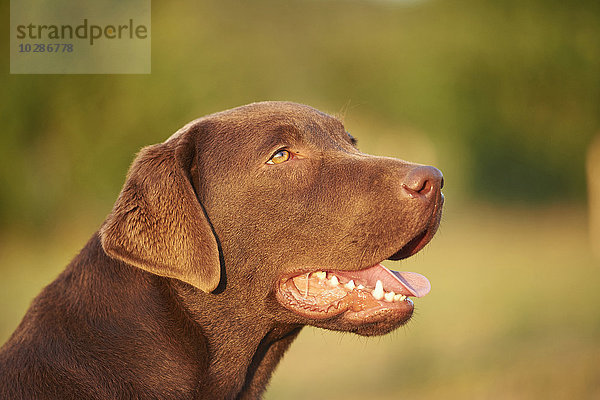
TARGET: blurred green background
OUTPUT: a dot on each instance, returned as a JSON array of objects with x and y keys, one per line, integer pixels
[{"x": 503, "y": 96}]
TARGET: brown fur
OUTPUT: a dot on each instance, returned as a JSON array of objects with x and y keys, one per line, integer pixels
[{"x": 174, "y": 298}]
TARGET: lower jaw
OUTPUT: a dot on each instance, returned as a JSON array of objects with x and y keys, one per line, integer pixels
[
  {"x": 374, "y": 324},
  {"x": 399, "y": 314},
  {"x": 344, "y": 314}
]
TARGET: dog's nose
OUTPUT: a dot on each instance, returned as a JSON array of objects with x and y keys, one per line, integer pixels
[{"x": 423, "y": 181}]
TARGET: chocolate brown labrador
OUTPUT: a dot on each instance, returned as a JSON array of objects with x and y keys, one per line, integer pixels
[{"x": 224, "y": 242}]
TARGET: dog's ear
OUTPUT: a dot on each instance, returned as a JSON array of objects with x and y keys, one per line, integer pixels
[{"x": 158, "y": 223}]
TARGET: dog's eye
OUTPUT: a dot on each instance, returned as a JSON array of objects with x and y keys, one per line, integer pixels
[{"x": 279, "y": 157}]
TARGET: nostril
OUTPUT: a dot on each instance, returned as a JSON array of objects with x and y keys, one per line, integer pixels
[
  {"x": 426, "y": 188},
  {"x": 422, "y": 190},
  {"x": 421, "y": 187},
  {"x": 422, "y": 181}
]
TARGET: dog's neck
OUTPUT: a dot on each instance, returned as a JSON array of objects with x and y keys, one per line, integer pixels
[
  {"x": 215, "y": 348},
  {"x": 243, "y": 345}
]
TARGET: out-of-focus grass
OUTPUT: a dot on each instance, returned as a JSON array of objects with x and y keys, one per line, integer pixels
[{"x": 513, "y": 313}]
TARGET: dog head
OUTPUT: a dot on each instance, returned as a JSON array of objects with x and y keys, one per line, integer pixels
[{"x": 273, "y": 204}]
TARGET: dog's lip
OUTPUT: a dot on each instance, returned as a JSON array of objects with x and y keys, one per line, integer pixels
[
  {"x": 421, "y": 239},
  {"x": 362, "y": 296},
  {"x": 414, "y": 245},
  {"x": 320, "y": 300}
]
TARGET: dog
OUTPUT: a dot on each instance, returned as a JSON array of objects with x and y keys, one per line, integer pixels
[{"x": 226, "y": 239}]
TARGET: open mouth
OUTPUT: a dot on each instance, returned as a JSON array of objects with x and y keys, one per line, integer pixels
[{"x": 363, "y": 296}]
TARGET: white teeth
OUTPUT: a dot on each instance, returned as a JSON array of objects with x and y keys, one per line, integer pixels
[
  {"x": 320, "y": 274},
  {"x": 350, "y": 285},
  {"x": 378, "y": 292},
  {"x": 306, "y": 287},
  {"x": 399, "y": 297},
  {"x": 334, "y": 281}
]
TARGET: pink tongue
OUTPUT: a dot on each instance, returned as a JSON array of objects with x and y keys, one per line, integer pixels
[{"x": 406, "y": 283}]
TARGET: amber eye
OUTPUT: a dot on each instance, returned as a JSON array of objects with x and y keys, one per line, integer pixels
[{"x": 280, "y": 157}]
